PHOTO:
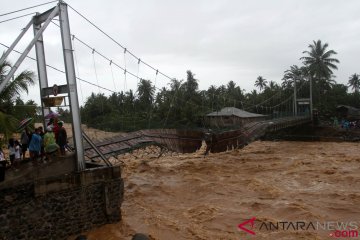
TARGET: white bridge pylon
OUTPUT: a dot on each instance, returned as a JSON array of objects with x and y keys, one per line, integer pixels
[{"x": 40, "y": 22}]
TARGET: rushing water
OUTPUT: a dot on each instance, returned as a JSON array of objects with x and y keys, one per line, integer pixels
[{"x": 192, "y": 197}]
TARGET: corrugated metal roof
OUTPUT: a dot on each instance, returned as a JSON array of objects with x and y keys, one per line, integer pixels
[{"x": 229, "y": 111}]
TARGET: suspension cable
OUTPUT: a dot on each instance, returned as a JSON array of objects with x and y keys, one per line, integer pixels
[
  {"x": 4, "y": 14},
  {"x": 17, "y": 17},
  {"x": 125, "y": 83},
  {"x": 62, "y": 71},
  {"x": 117, "y": 43},
  {"x": 125, "y": 50},
  {"x": 94, "y": 64},
  {"x": 112, "y": 75},
  {"x": 77, "y": 68},
  {"x": 156, "y": 70},
  {"x": 103, "y": 56}
]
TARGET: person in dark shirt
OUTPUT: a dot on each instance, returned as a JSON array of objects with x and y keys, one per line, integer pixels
[
  {"x": 42, "y": 133},
  {"x": 24, "y": 139},
  {"x": 61, "y": 137}
]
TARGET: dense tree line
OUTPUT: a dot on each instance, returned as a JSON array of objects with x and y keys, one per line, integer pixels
[{"x": 181, "y": 104}]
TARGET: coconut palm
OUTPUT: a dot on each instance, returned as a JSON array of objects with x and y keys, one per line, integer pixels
[
  {"x": 191, "y": 85},
  {"x": 273, "y": 86},
  {"x": 11, "y": 91},
  {"x": 291, "y": 75},
  {"x": 146, "y": 93},
  {"x": 260, "y": 82},
  {"x": 319, "y": 61},
  {"x": 175, "y": 85},
  {"x": 320, "y": 64},
  {"x": 354, "y": 82}
]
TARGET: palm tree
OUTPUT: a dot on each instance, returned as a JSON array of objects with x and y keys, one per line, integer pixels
[
  {"x": 319, "y": 61},
  {"x": 211, "y": 94},
  {"x": 320, "y": 64},
  {"x": 146, "y": 93},
  {"x": 291, "y": 75},
  {"x": 354, "y": 82},
  {"x": 11, "y": 91},
  {"x": 175, "y": 85},
  {"x": 273, "y": 85},
  {"x": 231, "y": 86},
  {"x": 260, "y": 82},
  {"x": 234, "y": 94},
  {"x": 191, "y": 85}
]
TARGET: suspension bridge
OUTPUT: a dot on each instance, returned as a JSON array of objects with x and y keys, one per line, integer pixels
[
  {"x": 75, "y": 186},
  {"x": 281, "y": 110}
]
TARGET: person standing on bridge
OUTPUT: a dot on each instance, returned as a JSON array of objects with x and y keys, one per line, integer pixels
[
  {"x": 24, "y": 139},
  {"x": 2, "y": 155},
  {"x": 11, "y": 148},
  {"x": 35, "y": 146},
  {"x": 50, "y": 145},
  {"x": 17, "y": 155},
  {"x": 61, "y": 137}
]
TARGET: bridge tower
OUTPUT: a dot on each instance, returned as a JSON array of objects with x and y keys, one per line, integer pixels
[{"x": 40, "y": 22}]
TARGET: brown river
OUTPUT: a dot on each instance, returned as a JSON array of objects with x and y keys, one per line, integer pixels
[{"x": 267, "y": 190}]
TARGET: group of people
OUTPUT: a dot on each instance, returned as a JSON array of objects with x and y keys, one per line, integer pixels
[
  {"x": 41, "y": 144},
  {"x": 346, "y": 124}
]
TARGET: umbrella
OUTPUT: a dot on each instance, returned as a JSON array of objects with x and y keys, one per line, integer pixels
[
  {"x": 24, "y": 123},
  {"x": 52, "y": 115}
]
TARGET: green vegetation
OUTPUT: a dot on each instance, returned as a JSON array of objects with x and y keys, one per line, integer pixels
[
  {"x": 183, "y": 105},
  {"x": 354, "y": 82},
  {"x": 12, "y": 108},
  {"x": 261, "y": 83}
]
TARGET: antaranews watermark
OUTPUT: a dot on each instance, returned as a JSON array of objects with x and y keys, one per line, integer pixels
[{"x": 338, "y": 229}]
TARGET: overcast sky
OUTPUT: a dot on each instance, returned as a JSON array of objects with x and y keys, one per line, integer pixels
[{"x": 218, "y": 40}]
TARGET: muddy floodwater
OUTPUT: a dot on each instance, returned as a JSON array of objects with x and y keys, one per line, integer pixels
[{"x": 288, "y": 190}]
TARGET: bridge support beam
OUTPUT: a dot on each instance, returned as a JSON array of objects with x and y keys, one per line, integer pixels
[
  {"x": 6, "y": 54},
  {"x": 41, "y": 63},
  {"x": 53, "y": 13},
  {"x": 71, "y": 81}
]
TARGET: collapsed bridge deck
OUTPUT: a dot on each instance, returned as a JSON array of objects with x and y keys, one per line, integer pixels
[{"x": 187, "y": 141}]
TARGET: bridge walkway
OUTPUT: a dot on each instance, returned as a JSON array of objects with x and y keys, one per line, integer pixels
[{"x": 187, "y": 141}]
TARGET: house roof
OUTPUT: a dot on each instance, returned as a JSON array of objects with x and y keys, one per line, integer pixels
[
  {"x": 347, "y": 107},
  {"x": 230, "y": 111}
]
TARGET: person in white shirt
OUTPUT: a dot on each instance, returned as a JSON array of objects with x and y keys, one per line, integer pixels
[
  {"x": 2, "y": 155},
  {"x": 11, "y": 148},
  {"x": 17, "y": 155}
]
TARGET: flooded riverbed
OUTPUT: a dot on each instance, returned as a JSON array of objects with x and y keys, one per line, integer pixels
[{"x": 191, "y": 197}]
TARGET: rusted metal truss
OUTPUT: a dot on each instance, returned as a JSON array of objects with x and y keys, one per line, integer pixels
[
  {"x": 181, "y": 141},
  {"x": 188, "y": 141}
]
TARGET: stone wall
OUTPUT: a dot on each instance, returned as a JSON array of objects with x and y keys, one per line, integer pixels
[{"x": 54, "y": 208}]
